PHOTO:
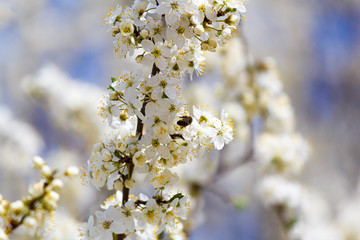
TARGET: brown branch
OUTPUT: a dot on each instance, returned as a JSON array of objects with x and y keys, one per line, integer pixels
[
  {"x": 131, "y": 165},
  {"x": 32, "y": 203},
  {"x": 278, "y": 212}
]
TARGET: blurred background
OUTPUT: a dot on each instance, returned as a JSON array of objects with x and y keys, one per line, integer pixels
[{"x": 53, "y": 112}]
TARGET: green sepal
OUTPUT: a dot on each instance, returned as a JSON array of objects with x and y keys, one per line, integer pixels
[{"x": 178, "y": 195}]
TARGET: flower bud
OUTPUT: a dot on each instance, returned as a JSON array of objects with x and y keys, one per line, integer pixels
[
  {"x": 106, "y": 155},
  {"x": 212, "y": 43},
  {"x": 114, "y": 96},
  {"x": 129, "y": 183},
  {"x": 172, "y": 146},
  {"x": 71, "y": 171},
  {"x": 121, "y": 146},
  {"x": 204, "y": 46},
  {"x": 199, "y": 29},
  {"x": 2, "y": 210},
  {"x": 144, "y": 33},
  {"x": 46, "y": 171},
  {"x": 50, "y": 205},
  {"x": 50, "y": 201},
  {"x": 118, "y": 185},
  {"x": 5, "y": 203},
  {"x": 139, "y": 58},
  {"x": 57, "y": 185},
  {"x": 36, "y": 189},
  {"x": 17, "y": 207},
  {"x": 30, "y": 222},
  {"x": 3, "y": 235},
  {"x": 38, "y": 162},
  {"x": 232, "y": 20},
  {"x": 52, "y": 196},
  {"x": 115, "y": 30}
]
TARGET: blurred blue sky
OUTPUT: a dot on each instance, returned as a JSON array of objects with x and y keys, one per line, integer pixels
[{"x": 335, "y": 33}]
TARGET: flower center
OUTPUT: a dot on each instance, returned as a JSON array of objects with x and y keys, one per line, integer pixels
[
  {"x": 180, "y": 30},
  {"x": 156, "y": 52},
  {"x": 106, "y": 224},
  {"x": 174, "y": 5},
  {"x": 155, "y": 142}
]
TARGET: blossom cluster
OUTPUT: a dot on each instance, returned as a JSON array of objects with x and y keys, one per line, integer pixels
[
  {"x": 154, "y": 131},
  {"x": 254, "y": 91},
  {"x": 171, "y": 136},
  {"x": 20, "y": 145},
  {"x": 173, "y": 34},
  {"x": 138, "y": 218},
  {"x": 35, "y": 209},
  {"x": 280, "y": 151},
  {"x": 279, "y": 148},
  {"x": 62, "y": 98}
]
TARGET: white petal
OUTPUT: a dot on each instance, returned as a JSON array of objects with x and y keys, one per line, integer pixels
[
  {"x": 148, "y": 59},
  {"x": 161, "y": 62},
  {"x": 147, "y": 45}
]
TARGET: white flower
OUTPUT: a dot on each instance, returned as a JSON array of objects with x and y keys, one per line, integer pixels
[
  {"x": 276, "y": 190},
  {"x": 238, "y": 5},
  {"x": 200, "y": 9},
  {"x": 111, "y": 179},
  {"x": 224, "y": 133},
  {"x": 224, "y": 36},
  {"x": 125, "y": 123},
  {"x": 168, "y": 110},
  {"x": 99, "y": 170},
  {"x": 124, "y": 45},
  {"x": 156, "y": 27},
  {"x": 179, "y": 31},
  {"x": 269, "y": 81},
  {"x": 105, "y": 224},
  {"x": 139, "y": 158},
  {"x": 164, "y": 179},
  {"x": 203, "y": 116},
  {"x": 173, "y": 9},
  {"x": 280, "y": 115},
  {"x": 161, "y": 129},
  {"x": 152, "y": 212},
  {"x": 157, "y": 146},
  {"x": 126, "y": 27},
  {"x": 285, "y": 153},
  {"x": 124, "y": 218},
  {"x": 155, "y": 53},
  {"x": 113, "y": 200},
  {"x": 86, "y": 229},
  {"x": 175, "y": 211},
  {"x": 192, "y": 58},
  {"x": 138, "y": 10},
  {"x": 111, "y": 16},
  {"x": 199, "y": 135}
]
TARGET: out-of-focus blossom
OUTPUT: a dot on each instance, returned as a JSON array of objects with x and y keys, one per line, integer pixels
[
  {"x": 19, "y": 142},
  {"x": 71, "y": 104}
]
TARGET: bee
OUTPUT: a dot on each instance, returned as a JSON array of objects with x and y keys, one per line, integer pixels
[{"x": 184, "y": 121}]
